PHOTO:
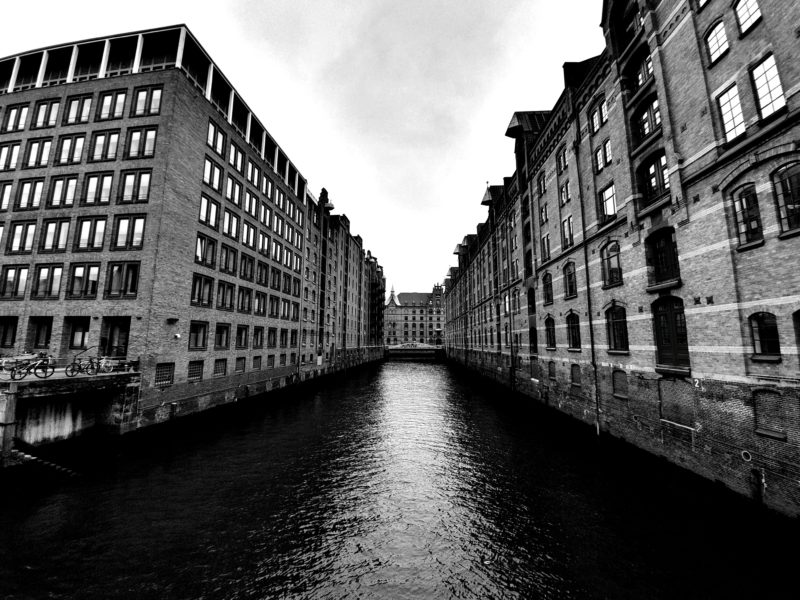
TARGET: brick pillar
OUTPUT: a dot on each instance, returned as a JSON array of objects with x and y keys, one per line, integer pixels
[{"x": 8, "y": 422}]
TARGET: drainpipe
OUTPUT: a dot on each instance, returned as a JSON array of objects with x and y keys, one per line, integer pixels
[{"x": 576, "y": 149}]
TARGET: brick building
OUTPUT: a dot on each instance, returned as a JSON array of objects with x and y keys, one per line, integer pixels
[
  {"x": 659, "y": 205},
  {"x": 414, "y": 317},
  {"x": 147, "y": 212}
]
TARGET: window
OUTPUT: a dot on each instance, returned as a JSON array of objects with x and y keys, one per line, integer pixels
[
  {"x": 246, "y": 267},
  {"x": 122, "y": 280},
  {"x": 661, "y": 252},
  {"x": 648, "y": 120},
  {"x": 195, "y": 372},
  {"x": 62, "y": 191},
  {"x": 244, "y": 300},
  {"x": 547, "y": 288},
  {"x": 230, "y": 224},
  {"x": 240, "y": 364},
  {"x": 608, "y": 203},
  {"x": 550, "y": 333},
  {"x": 141, "y": 143},
  {"x": 70, "y": 148},
  {"x": 202, "y": 290},
  {"x": 220, "y": 367},
  {"x": 83, "y": 280},
  {"x": 15, "y": 118},
  {"x": 222, "y": 336},
  {"x": 9, "y": 154},
  {"x": 248, "y": 235},
  {"x": 610, "y": 264},
  {"x": 78, "y": 110},
  {"x": 128, "y": 232},
  {"x": 79, "y": 333},
  {"x": 43, "y": 328},
  {"x": 20, "y": 239},
  {"x": 205, "y": 251},
  {"x": 561, "y": 159},
  {"x": 46, "y": 114},
  {"x": 272, "y": 337},
  {"x": 656, "y": 179},
  {"x": 644, "y": 71},
  {"x": 111, "y": 105},
  {"x": 717, "y": 42},
  {"x": 8, "y": 331},
  {"x": 104, "y": 145},
  {"x": 38, "y": 153},
  {"x": 135, "y": 186},
  {"x": 546, "y": 246},
  {"x": 617, "y": 328},
  {"x": 619, "y": 384},
  {"x": 787, "y": 192},
  {"x": 5, "y": 194},
  {"x": 146, "y": 101},
  {"x": 575, "y": 377},
  {"x": 227, "y": 259},
  {"x": 212, "y": 174},
  {"x": 90, "y": 233},
  {"x": 236, "y": 158},
  {"x": 566, "y": 233},
  {"x": 97, "y": 188},
  {"x": 225, "y": 295},
  {"x": 563, "y": 194},
  {"x": 573, "y": 332},
  {"x": 260, "y": 308},
  {"x": 669, "y": 324},
  {"x": 165, "y": 375},
  {"x": 14, "y": 282},
  {"x": 748, "y": 217},
  {"x": 731, "y": 111},
  {"x": 768, "y": 87},
  {"x": 747, "y": 14},
  {"x": 209, "y": 212},
  {"x": 233, "y": 191},
  {"x": 769, "y": 410},
  {"x": 570, "y": 281},
  {"x": 764, "y": 328},
  {"x": 54, "y": 238},
  {"x": 541, "y": 184},
  {"x": 29, "y": 194},
  {"x": 216, "y": 138}
]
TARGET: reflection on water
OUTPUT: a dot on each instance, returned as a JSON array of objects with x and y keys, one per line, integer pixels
[{"x": 406, "y": 481}]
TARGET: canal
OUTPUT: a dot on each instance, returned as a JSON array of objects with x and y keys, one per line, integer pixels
[{"x": 405, "y": 480}]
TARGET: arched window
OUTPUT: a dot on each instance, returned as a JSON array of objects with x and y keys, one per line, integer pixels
[
  {"x": 654, "y": 179},
  {"x": 609, "y": 260},
  {"x": 570, "y": 282},
  {"x": 575, "y": 376},
  {"x": 787, "y": 192},
  {"x": 647, "y": 120},
  {"x": 617, "y": 328},
  {"x": 551, "y": 370},
  {"x": 747, "y": 14},
  {"x": 573, "y": 331},
  {"x": 661, "y": 251},
  {"x": 764, "y": 328},
  {"x": 619, "y": 383},
  {"x": 550, "y": 333},
  {"x": 531, "y": 301},
  {"x": 547, "y": 288},
  {"x": 644, "y": 71},
  {"x": 669, "y": 325},
  {"x": 716, "y": 42},
  {"x": 748, "y": 217},
  {"x": 532, "y": 340}
]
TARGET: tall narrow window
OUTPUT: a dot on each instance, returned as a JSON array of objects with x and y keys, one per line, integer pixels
[
  {"x": 769, "y": 91},
  {"x": 111, "y": 105},
  {"x": 570, "y": 281},
  {"x": 573, "y": 331},
  {"x": 122, "y": 280},
  {"x": 609, "y": 258},
  {"x": 661, "y": 251},
  {"x": 654, "y": 180},
  {"x": 764, "y": 328},
  {"x": 146, "y": 101},
  {"x": 669, "y": 324},
  {"x": 135, "y": 186},
  {"x": 608, "y": 203},
  {"x": 547, "y": 288},
  {"x": 617, "y": 328},
  {"x": 787, "y": 191},
  {"x": 731, "y": 110},
  {"x": 550, "y": 333},
  {"x": 566, "y": 233},
  {"x": 141, "y": 143},
  {"x": 748, "y": 217},
  {"x": 717, "y": 42},
  {"x": 747, "y": 14}
]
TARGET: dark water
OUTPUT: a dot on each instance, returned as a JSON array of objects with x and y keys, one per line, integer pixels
[{"x": 405, "y": 481}]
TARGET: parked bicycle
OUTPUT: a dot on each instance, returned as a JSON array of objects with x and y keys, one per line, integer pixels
[
  {"x": 42, "y": 367},
  {"x": 85, "y": 365}
]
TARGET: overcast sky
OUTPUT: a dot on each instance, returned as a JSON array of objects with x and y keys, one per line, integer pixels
[{"x": 397, "y": 107}]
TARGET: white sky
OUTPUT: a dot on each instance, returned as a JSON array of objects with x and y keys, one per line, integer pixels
[{"x": 397, "y": 107}]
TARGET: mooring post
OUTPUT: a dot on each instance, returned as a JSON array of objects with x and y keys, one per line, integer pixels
[{"x": 8, "y": 421}]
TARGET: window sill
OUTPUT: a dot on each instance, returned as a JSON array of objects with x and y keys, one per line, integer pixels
[
  {"x": 619, "y": 352},
  {"x": 551, "y": 349},
  {"x": 751, "y": 245},
  {"x": 673, "y": 371},
  {"x": 608, "y": 286},
  {"x": 658, "y": 204},
  {"x": 715, "y": 62},
  {"x": 766, "y": 358},
  {"x": 664, "y": 285},
  {"x": 619, "y": 396},
  {"x": 769, "y": 433},
  {"x": 641, "y": 91},
  {"x": 573, "y": 349},
  {"x": 789, "y": 233},
  {"x": 646, "y": 142}
]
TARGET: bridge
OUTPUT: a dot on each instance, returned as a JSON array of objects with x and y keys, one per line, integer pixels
[{"x": 415, "y": 351}]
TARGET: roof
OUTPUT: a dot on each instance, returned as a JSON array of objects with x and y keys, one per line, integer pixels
[{"x": 531, "y": 121}]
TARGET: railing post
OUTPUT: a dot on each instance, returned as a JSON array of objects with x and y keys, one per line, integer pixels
[{"x": 8, "y": 421}]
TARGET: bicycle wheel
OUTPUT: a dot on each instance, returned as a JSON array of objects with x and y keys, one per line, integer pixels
[
  {"x": 19, "y": 372},
  {"x": 44, "y": 371},
  {"x": 90, "y": 369},
  {"x": 106, "y": 367},
  {"x": 72, "y": 369}
]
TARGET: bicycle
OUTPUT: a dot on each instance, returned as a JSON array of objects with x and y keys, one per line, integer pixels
[
  {"x": 42, "y": 368},
  {"x": 81, "y": 366}
]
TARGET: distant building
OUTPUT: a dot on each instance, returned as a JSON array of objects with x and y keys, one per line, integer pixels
[{"x": 415, "y": 317}]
